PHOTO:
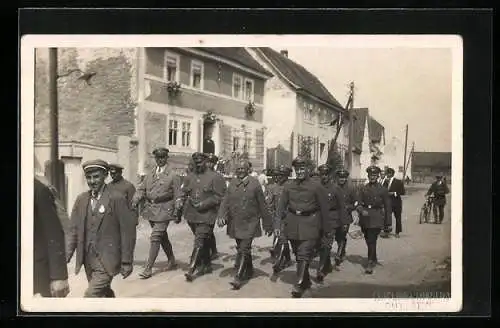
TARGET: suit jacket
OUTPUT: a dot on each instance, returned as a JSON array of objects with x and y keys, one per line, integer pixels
[
  {"x": 116, "y": 234},
  {"x": 62, "y": 213},
  {"x": 158, "y": 193},
  {"x": 48, "y": 241},
  {"x": 398, "y": 187},
  {"x": 127, "y": 189},
  {"x": 244, "y": 207},
  {"x": 439, "y": 191}
]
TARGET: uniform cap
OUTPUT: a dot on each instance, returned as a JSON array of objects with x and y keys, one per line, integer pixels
[
  {"x": 342, "y": 173},
  {"x": 161, "y": 151},
  {"x": 97, "y": 164},
  {"x": 324, "y": 169},
  {"x": 115, "y": 166},
  {"x": 243, "y": 163},
  {"x": 299, "y": 162},
  {"x": 373, "y": 169},
  {"x": 282, "y": 170},
  {"x": 198, "y": 157}
]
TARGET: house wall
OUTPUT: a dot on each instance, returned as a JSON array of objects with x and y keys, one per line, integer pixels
[
  {"x": 96, "y": 113},
  {"x": 393, "y": 154}
]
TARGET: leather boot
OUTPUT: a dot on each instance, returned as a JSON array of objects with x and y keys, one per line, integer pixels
[
  {"x": 339, "y": 256},
  {"x": 303, "y": 280},
  {"x": 109, "y": 293},
  {"x": 207, "y": 261},
  {"x": 283, "y": 258},
  {"x": 154, "y": 248},
  {"x": 324, "y": 264},
  {"x": 196, "y": 258},
  {"x": 213, "y": 253},
  {"x": 237, "y": 261},
  {"x": 167, "y": 248},
  {"x": 241, "y": 274},
  {"x": 249, "y": 273},
  {"x": 369, "y": 267}
]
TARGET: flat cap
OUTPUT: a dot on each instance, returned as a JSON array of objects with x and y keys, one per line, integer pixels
[
  {"x": 97, "y": 164},
  {"x": 198, "y": 157},
  {"x": 324, "y": 169},
  {"x": 212, "y": 158},
  {"x": 161, "y": 151},
  {"x": 389, "y": 170},
  {"x": 342, "y": 173},
  {"x": 373, "y": 169},
  {"x": 115, "y": 166},
  {"x": 299, "y": 161}
]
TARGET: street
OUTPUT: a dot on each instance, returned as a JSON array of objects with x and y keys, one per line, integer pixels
[{"x": 410, "y": 264}]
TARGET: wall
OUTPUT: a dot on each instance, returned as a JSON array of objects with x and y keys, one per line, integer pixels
[
  {"x": 393, "y": 153},
  {"x": 96, "y": 113}
]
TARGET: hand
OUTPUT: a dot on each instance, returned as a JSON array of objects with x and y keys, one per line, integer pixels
[
  {"x": 178, "y": 220},
  {"x": 277, "y": 232},
  {"x": 59, "y": 288},
  {"x": 269, "y": 232},
  {"x": 221, "y": 222},
  {"x": 126, "y": 270},
  {"x": 388, "y": 229}
]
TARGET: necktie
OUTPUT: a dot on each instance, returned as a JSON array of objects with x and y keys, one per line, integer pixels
[{"x": 93, "y": 201}]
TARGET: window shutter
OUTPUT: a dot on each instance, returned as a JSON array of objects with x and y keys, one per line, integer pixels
[
  {"x": 227, "y": 139},
  {"x": 259, "y": 147}
]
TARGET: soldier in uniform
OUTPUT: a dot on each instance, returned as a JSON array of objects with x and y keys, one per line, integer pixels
[
  {"x": 304, "y": 208},
  {"x": 102, "y": 232},
  {"x": 120, "y": 184},
  {"x": 350, "y": 201},
  {"x": 200, "y": 198},
  {"x": 211, "y": 162},
  {"x": 374, "y": 208},
  {"x": 242, "y": 210},
  {"x": 281, "y": 249},
  {"x": 336, "y": 221},
  {"x": 438, "y": 189},
  {"x": 157, "y": 194}
]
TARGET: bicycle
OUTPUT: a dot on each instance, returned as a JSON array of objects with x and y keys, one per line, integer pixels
[{"x": 426, "y": 210}]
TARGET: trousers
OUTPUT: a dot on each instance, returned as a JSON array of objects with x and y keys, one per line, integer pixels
[
  {"x": 438, "y": 211},
  {"x": 371, "y": 236},
  {"x": 397, "y": 210},
  {"x": 202, "y": 234},
  {"x": 244, "y": 246},
  {"x": 99, "y": 280},
  {"x": 303, "y": 249}
]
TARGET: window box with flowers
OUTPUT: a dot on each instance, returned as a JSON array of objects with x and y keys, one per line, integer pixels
[
  {"x": 173, "y": 87},
  {"x": 250, "y": 109}
]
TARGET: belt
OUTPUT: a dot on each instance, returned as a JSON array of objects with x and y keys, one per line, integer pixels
[
  {"x": 302, "y": 213},
  {"x": 333, "y": 209}
]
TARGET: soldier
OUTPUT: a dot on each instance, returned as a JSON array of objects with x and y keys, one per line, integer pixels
[
  {"x": 200, "y": 198},
  {"x": 281, "y": 249},
  {"x": 242, "y": 209},
  {"x": 350, "y": 201},
  {"x": 374, "y": 208},
  {"x": 211, "y": 162},
  {"x": 304, "y": 208},
  {"x": 157, "y": 194},
  {"x": 102, "y": 232},
  {"x": 120, "y": 184},
  {"x": 438, "y": 189},
  {"x": 336, "y": 221}
]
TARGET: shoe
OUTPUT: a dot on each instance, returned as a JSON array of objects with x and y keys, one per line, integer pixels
[
  {"x": 240, "y": 275},
  {"x": 303, "y": 281},
  {"x": 196, "y": 258},
  {"x": 146, "y": 274},
  {"x": 397, "y": 235}
]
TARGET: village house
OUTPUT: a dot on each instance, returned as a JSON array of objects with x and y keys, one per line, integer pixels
[
  {"x": 299, "y": 111},
  {"x": 426, "y": 165},
  {"x": 368, "y": 140},
  {"x": 142, "y": 98}
]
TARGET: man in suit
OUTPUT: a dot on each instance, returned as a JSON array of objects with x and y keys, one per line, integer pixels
[
  {"x": 50, "y": 273},
  {"x": 102, "y": 232},
  {"x": 243, "y": 209},
  {"x": 120, "y": 184},
  {"x": 157, "y": 194},
  {"x": 382, "y": 178},
  {"x": 396, "y": 189},
  {"x": 374, "y": 207},
  {"x": 304, "y": 208},
  {"x": 438, "y": 189},
  {"x": 200, "y": 198}
]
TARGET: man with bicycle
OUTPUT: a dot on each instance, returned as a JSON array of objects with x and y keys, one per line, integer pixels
[{"x": 438, "y": 191}]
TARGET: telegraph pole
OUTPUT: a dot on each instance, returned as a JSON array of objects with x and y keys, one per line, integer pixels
[
  {"x": 350, "y": 113},
  {"x": 55, "y": 177},
  {"x": 406, "y": 147}
]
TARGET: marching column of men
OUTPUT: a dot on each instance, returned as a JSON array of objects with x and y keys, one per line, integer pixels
[{"x": 304, "y": 213}]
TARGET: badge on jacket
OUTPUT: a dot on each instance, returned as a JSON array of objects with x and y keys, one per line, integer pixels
[{"x": 102, "y": 209}]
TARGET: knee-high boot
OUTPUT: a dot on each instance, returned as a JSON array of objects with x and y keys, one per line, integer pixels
[
  {"x": 207, "y": 257},
  {"x": 237, "y": 261},
  {"x": 303, "y": 279},
  {"x": 154, "y": 249},
  {"x": 167, "y": 248},
  {"x": 241, "y": 274},
  {"x": 283, "y": 258},
  {"x": 196, "y": 258},
  {"x": 325, "y": 264}
]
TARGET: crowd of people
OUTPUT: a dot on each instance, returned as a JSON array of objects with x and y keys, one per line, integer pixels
[{"x": 305, "y": 216}]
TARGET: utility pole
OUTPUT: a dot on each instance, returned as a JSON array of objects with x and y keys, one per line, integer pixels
[
  {"x": 406, "y": 146},
  {"x": 350, "y": 113},
  {"x": 409, "y": 157}
]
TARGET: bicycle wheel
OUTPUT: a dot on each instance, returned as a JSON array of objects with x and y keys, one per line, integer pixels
[{"x": 424, "y": 213}]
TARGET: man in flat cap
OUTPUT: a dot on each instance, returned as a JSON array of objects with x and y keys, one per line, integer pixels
[
  {"x": 374, "y": 208},
  {"x": 243, "y": 209},
  {"x": 438, "y": 190},
  {"x": 350, "y": 201},
  {"x": 304, "y": 208},
  {"x": 200, "y": 198},
  {"x": 157, "y": 194},
  {"x": 102, "y": 232},
  {"x": 336, "y": 221},
  {"x": 210, "y": 163},
  {"x": 122, "y": 185},
  {"x": 281, "y": 247},
  {"x": 396, "y": 189}
]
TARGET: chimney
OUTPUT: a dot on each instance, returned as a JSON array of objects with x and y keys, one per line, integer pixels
[{"x": 284, "y": 53}]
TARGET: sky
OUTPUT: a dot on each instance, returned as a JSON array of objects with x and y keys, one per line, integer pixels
[{"x": 399, "y": 86}]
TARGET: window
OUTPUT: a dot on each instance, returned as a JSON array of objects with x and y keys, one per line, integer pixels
[
  {"x": 236, "y": 143},
  {"x": 172, "y": 67},
  {"x": 172, "y": 132},
  {"x": 247, "y": 147},
  {"x": 186, "y": 134},
  {"x": 310, "y": 112},
  {"x": 197, "y": 74},
  {"x": 249, "y": 90},
  {"x": 237, "y": 86}
]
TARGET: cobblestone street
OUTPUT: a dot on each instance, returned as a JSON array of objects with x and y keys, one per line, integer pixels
[{"x": 412, "y": 263}]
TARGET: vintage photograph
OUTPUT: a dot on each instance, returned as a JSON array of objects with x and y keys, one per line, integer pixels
[{"x": 203, "y": 173}]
